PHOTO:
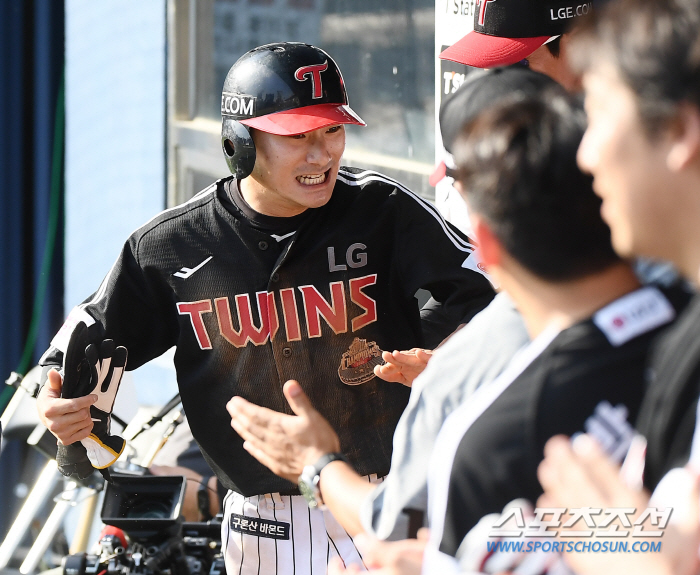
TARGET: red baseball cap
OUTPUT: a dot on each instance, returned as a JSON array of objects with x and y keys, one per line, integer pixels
[
  {"x": 306, "y": 119},
  {"x": 482, "y": 51},
  {"x": 481, "y": 90},
  {"x": 507, "y": 31}
]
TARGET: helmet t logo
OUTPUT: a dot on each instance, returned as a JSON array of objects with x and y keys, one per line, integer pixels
[
  {"x": 482, "y": 10},
  {"x": 314, "y": 72}
]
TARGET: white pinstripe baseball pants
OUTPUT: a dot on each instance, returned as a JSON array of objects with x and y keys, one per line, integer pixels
[{"x": 276, "y": 534}]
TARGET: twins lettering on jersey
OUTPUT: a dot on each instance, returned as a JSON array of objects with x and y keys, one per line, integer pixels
[{"x": 314, "y": 308}]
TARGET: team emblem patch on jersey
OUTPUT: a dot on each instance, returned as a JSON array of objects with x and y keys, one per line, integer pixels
[{"x": 357, "y": 363}]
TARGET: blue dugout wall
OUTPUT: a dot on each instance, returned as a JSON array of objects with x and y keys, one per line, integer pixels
[{"x": 31, "y": 192}]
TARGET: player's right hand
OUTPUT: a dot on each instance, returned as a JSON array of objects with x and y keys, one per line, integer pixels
[
  {"x": 284, "y": 443},
  {"x": 403, "y": 366},
  {"x": 68, "y": 419}
]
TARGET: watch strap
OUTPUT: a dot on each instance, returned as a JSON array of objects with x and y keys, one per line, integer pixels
[
  {"x": 326, "y": 459},
  {"x": 318, "y": 467},
  {"x": 310, "y": 479}
]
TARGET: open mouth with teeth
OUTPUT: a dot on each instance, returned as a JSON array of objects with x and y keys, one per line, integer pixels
[{"x": 313, "y": 179}]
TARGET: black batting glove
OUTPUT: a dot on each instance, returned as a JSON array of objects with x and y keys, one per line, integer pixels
[{"x": 93, "y": 369}]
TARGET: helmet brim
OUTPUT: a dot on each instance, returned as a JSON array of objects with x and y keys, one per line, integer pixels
[
  {"x": 306, "y": 119},
  {"x": 484, "y": 51}
]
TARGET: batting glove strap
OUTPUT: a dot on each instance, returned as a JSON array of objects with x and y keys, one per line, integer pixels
[
  {"x": 102, "y": 448},
  {"x": 73, "y": 461}
]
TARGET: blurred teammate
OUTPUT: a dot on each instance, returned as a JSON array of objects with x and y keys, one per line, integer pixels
[
  {"x": 591, "y": 322},
  {"x": 642, "y": 80},
  {"x": 641, "y": 62}
]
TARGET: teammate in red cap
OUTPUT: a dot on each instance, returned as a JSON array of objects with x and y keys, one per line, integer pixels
[
  {"x": 292, "y": 268},
  {"x": 530, "y": 31},
  {"x": 535, "y": 33}
]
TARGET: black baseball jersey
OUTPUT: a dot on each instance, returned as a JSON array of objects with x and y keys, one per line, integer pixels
[
  {"x": 668, "y": 415},
  {"x": 589, "y": 378},
  {"x": 249, "y": 309}
]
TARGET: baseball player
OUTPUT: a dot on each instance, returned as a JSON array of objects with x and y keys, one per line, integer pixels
[
  {"x": 292, "y": 268},
  {"x": 591, "y": 322}
]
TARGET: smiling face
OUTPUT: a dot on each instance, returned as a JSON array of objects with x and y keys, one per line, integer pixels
[
  {"x": 293, "y": 173},
  {"x": 629, "y": 169}
]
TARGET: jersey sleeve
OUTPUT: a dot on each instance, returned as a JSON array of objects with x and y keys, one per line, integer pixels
[
  {"x": 435, "y": 256},
  {"x": 132, "y": 306}
]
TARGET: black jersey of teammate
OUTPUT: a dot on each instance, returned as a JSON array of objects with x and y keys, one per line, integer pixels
[
  {"x": 497, "y": 458},
  {"x": 668, "y": 415},
  {"x": 249, "y": 308}
]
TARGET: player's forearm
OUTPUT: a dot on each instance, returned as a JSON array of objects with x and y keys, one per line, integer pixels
[{"x": 343, "y": 491}]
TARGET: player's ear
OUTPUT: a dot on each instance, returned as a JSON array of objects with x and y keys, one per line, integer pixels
[
  {"x": 685, "y": 131},
  {"x": 490, "y": 249}
]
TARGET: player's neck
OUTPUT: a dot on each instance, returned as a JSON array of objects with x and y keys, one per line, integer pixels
[
  {"x": 267, "y": 202},
  {"x": 675, "y": 236},
  {"x": 563, "y": 304}
]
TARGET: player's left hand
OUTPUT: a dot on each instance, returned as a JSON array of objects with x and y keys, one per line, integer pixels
[
  {"x": 385, "y": 557},
  {"x": 403, "y": 366},
  {"x": 284, "y": 443}
]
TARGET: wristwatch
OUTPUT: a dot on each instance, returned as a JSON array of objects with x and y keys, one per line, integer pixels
[
  {"x": 311, "y": 475},
  {"x": 203, "y": 498}
]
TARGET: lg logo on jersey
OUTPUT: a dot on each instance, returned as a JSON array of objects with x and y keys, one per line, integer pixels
[
  {"x": 353, "y": 257},
  {"x": 315, "y": 307}
]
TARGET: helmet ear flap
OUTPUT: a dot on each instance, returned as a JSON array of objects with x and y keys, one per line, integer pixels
[{"x": 238, "y": 147}]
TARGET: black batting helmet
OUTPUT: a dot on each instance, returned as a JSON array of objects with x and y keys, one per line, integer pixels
[{"x": 287, "y": 88}]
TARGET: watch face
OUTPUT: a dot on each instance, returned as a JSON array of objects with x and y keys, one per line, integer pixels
[{"x": 308, "y": 489}]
